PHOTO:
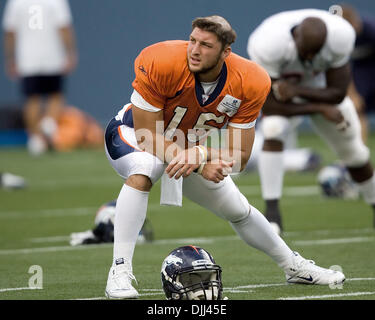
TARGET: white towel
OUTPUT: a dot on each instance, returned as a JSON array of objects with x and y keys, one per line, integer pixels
[{"x": 171, "y": 191}]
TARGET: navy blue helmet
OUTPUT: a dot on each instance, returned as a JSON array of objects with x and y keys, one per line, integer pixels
[
  {"x": 190, "y": 273},
  {"x": 335, "y": 182}
]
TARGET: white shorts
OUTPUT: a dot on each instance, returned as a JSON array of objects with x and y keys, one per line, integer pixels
[
  {"x": 347, "y": 144},
  {"x": 223, "y": 198}
]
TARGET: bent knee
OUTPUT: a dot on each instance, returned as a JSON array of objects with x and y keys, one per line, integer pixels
[
  {"x": 356, "y": 156},
  {"x": 274, "y": 128},
  {"x": 139, "y": 182},
  {"x": 273, "y": 145},
  {"x": 235, "y": 211}
]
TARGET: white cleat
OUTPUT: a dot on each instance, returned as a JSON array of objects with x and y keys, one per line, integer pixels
[
  {"x": 306, "y": 272},
  {"x": 119, "y": 281}
]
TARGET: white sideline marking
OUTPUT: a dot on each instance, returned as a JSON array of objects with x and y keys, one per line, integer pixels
[
  {"x": 104, "y": 245},
  {"x": 209, "y": 240},
  {"x": 238, "y": 289},
  {"x": 61, "y": 183},
  {"x": 153, "y": 292},
  {"x": 265, "y": 285},
  {"x": 332, "y": 241},
  {"x": 296, "y": 191},
  {"x": 53, "y": 249},
  {"x": 18, "y": 289},
  {"x": 50, "y": 239},
  {"x": 45, "y": 213},
  {"x": 328, "y": 232},
  {"x": 338, "y": 295},
  {"x": 180, "y": 241},
  {"x": 64, "y": 212}
]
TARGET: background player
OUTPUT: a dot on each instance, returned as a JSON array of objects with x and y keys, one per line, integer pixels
[
  {"x": 182, "y": 87},
  {"x": 40, "y": 49},
  {"x": 362, "y": 88},
  {"x": 306, "y": 53}
]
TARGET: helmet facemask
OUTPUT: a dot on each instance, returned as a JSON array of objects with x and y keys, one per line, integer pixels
[{"x": 202, "y": 283}]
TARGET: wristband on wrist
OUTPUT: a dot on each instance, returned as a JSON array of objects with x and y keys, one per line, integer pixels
[
  {"x": 203, "y": 154},
  {"x": 200, "y": 169}
]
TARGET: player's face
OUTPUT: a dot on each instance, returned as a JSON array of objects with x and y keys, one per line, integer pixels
[
  {"x": 306, "y": 54},
  {"x": 307, "y": 50},
  {"x": 205, "y": 54}
]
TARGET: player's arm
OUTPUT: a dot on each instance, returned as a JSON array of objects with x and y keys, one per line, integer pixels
[
  {"x": 221, "y": 162},
  {"x": 149, "y": 127},
  {"x": 356, "y": 97},
  {"x": 239, "y": 144},
  {"x": 9, "y": 53},
  {"x": 338, "y": 80},
  {"x": 276, "y": 106},
  {"x": 217, "y": 163},
  {"x": 68, "y": 39}
]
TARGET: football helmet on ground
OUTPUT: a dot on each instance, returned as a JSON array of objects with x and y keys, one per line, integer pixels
[
  {"x": 103, "y": 231},
  {"x": 335, "y": 182},
  {"x": 190, "y": 273}
]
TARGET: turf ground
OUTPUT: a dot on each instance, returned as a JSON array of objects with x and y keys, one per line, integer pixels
[{"x": 65, "y": 190}]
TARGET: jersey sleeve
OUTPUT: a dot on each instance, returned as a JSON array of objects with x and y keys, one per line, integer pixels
[
  {"x": 63, "y": 13},
  {"x": 267, "y": 50},
  {"x": 153, "y": 77},
  {"x": 256, "y": 92},
  {"x": 341, "y": 40},
  {"x": 10, "y": 16}
]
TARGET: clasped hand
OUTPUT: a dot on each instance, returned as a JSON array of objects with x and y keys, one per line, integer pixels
[
  {"x": 186, "y": 161},
  {"x": 283, "y": 90}
]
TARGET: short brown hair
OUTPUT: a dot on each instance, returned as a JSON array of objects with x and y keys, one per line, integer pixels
[{"x": 217, "y": 25}]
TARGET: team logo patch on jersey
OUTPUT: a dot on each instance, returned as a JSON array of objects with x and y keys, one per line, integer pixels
[
  {"x": 142, "y": 68},
  {"x": 229, "y": 105}
]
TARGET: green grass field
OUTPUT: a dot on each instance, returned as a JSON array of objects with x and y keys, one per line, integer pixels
[{"x": 65, "y": 190}]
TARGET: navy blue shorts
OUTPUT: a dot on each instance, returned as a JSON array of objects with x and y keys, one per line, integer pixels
[
  {"x": 41, "y": 85},
  {"x": 364, "y": 80},
  {"x": 116, "y": 146}
]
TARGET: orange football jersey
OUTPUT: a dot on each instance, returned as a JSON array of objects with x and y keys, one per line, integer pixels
[{"x": 163, "y": 79}]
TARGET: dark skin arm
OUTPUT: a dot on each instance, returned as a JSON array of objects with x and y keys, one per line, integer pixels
[
  {"x": 68, "y": 38},
  {"x": 288, "y": 109},
  {"x": 338, "y": 80},
  {"x": 9, "y": 54},
  {"x": 321, "y": 100}
]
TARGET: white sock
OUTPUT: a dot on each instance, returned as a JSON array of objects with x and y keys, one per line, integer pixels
[
  {"x": 48, "y": 126},
  {"x": 367, "y": 190},
  {"x": 130, "y": 214},
  {"x": 257, "y": 232},
  {"x": 271, "y": 172}
]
